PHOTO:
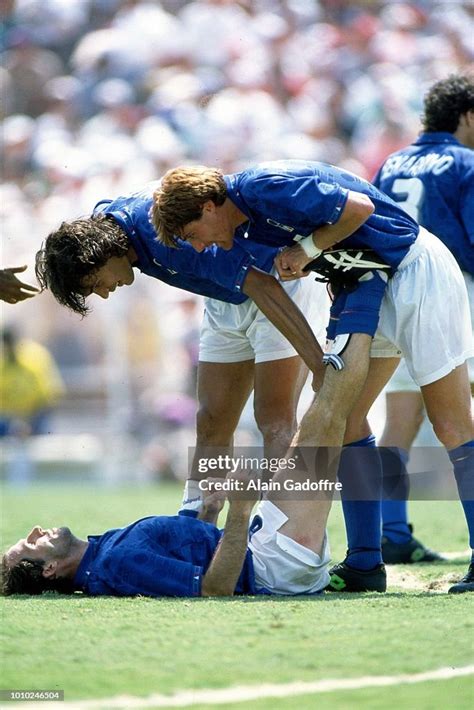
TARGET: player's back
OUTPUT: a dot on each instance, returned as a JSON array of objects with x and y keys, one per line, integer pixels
[{"x": 433, "y": 181}]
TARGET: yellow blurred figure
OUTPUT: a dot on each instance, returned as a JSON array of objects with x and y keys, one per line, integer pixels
[{"x": 30, "y": 384}]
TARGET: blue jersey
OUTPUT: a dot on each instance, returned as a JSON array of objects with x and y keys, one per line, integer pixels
[
  {"x": 286, "y": 200},
  {"x": 433, "y": 180},
  {"x": 155, "y": 557},
  {"x": 214, "y": 272}
]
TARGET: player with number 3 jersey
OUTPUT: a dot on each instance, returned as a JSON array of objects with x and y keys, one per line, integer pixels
[{"x": 433, "y": 180}]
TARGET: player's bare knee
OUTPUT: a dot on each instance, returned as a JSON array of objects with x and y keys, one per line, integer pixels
[
  {"x": 450, "y": 432},
  {"x": 275, "y": 426}
]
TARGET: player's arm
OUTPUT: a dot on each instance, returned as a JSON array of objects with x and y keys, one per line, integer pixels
[
  {"x": 357, "y": 210},
  {"x": 226, "y": 565},
  {"x": 285, "y": 315},
  {"x": 12, "y": 289}
]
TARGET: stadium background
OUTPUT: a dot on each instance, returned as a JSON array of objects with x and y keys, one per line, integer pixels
[{"x": 100, "y": 96}]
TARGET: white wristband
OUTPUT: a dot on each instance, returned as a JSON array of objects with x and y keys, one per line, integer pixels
[
  {"x": 192, "y": 496},
  {"x": 310, "y": 248}
]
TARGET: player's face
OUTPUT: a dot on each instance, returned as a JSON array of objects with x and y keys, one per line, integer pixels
[
  {"x": 469, "y": 133},
  {"x": 41, "y": 544},
  {"x": 116, "y": 272},
  {"x": 212, "y": 228}
]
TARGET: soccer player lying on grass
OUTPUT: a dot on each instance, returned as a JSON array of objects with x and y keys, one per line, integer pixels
[
  {"x": 282, "y": 550},
  {"x": 240, "y": 349},
  {"x": 421, "y": 312}
]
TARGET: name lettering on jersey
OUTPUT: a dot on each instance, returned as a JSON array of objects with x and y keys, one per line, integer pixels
[
  {"x": 170, "y": 271},
  {"x": 296, "y": 237},
  {"x": 413, "y": 165},
  {"x": 273, "y": 223}
]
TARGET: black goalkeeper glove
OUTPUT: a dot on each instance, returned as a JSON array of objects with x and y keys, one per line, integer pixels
[{"x": 344, "y": 268}]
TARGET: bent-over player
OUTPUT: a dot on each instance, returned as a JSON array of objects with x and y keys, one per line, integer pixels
[{"x": 310, "y": 207}]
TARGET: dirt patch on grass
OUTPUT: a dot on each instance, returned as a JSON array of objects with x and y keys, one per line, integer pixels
[
  {"x": 404, "y": 579},
  {"x": 443, "y": 583},
  {"x": 409, "y": 581}
]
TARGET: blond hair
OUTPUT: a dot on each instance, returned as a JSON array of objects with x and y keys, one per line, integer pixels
[{"x": 180, "y": 199}]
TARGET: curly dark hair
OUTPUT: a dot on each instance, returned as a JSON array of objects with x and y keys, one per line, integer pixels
[
  {"x": 75, "y": 251},
  {"x": 26, "y": 577},
  {"x": 446, "y": 102}
]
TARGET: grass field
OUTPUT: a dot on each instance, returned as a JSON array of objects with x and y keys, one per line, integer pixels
[{"x": 106, "y": 647}]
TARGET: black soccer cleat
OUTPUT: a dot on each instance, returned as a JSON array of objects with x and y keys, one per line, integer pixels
[
  {"x": 348, "y": 579},
  {"x": 410, "y": 552},
  {"x": 466, "y": 584}
]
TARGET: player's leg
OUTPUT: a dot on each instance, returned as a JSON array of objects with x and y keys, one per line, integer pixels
[
  {"x": 324, "y": 423},
  {"x": 225, "y": 380},
  {"x": 405, "y": 413},
  {"x": 436, "y": 350},
  {"x": 278, "y": 385},
  {"x": 448, "y": 404},
  {"x": 360, "y": 473},
  {"x": 279, "y": 372},
  {"x": 222, "y": 390},
  {"x": 307, "y": 515},
  {"x": 302, "y": 517}
]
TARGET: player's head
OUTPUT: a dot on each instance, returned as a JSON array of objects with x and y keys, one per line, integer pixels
[
  {"x": 449, "y": 103},
  {"x": 187, "y": 204},
  {"x": 42, "y": 561},
  {"x": 88, "y": 255}
]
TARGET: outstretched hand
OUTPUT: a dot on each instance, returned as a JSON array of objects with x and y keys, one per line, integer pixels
[{"x": 12, "y": 289}]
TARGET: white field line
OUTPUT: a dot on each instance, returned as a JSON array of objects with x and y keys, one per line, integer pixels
[
  {"x": 466, "y": 554},
  {"x": 242, "y": 693}
]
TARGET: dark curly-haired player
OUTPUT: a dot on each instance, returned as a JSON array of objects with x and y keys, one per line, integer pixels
[{"x": 433, "y": 180}]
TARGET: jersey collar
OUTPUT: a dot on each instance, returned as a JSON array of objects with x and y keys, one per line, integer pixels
[
  {"x": 440, "y": 137},
  {"x": 233, "y": 194}
]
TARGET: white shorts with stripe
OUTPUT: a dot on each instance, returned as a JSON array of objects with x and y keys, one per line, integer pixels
[
  {"x": 425, "y": 315},
  {"x": 402, "y": 381}
]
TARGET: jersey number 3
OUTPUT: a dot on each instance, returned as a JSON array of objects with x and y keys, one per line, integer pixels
[{"x": 411, "y": 191}]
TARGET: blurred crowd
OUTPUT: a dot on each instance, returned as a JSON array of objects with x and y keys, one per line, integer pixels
[{"x": 101, "y": 96}]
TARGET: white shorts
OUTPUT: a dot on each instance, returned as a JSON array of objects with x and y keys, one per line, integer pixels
[
  {"x": 234, "y": 333},
  {"x": 425, "y": 314},
  {"x": 402, "y": 381},
  {"x": 281, "y": 564}
]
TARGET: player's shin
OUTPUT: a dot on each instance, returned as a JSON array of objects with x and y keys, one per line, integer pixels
[
  {"x": 360, "y": 473},
  {"x": 462, "y": 459},
  {"x": 395, "y": 494}
]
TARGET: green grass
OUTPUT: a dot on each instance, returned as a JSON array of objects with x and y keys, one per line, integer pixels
[{"x": 107, "y": 646}]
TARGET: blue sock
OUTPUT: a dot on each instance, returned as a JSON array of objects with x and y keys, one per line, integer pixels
[
  {"x": 360, "y": 473},
  {"x": 396, "y": 487},
  {"x": 462, "y": 459}
]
